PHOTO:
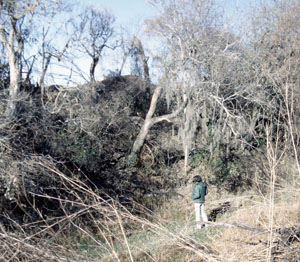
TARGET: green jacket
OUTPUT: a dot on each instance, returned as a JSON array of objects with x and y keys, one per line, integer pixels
[{"x": 199, "y": 192}]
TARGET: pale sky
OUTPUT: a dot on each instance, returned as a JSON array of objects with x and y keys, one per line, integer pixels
[
  {"x": 131, "y": 14},
  {"x": 127, "y": 12}
]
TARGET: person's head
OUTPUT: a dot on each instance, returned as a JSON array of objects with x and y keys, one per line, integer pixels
[{"x": 197, "y": 179}]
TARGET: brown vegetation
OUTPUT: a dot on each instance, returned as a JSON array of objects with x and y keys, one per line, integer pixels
[{"x": 101, "y": 171}]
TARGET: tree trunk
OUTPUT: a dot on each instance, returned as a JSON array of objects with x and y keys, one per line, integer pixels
[
  {"x": 92, "y": 68},
  {"x": 14, "y": 84},
  {"x": 139, "y": 141},
  {"x": 13, "y": 40},
  {"x": 143, "y": 58},
  {"x": 149, "y": 122}
]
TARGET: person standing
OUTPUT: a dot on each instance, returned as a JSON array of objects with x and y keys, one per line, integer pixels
[{"x": 198, "y": 197}]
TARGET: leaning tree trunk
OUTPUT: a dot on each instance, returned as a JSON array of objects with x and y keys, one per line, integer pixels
[
  {"x": 149, "y": 122},
  {"x": 139, "y": 141}
]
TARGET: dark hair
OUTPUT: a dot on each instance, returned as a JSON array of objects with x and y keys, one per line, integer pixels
[{"x": 197, "y": 179}]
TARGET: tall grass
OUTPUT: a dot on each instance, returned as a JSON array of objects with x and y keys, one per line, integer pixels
[{"x": 98, "y": 228}]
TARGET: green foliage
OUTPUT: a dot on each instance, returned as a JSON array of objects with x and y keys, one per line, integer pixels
[
  {"x": 227, "y": 173},
  {"x": 198, "y": 157},
  {"x": 81, "y": 149},
  {"x": 220, "y": 169}
]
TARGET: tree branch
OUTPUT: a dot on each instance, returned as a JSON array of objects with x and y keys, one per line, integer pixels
[
  {"x": 27, "y": 10},
  {"x": 170, "y": 116},
  {"x": 149, "y": 122}
]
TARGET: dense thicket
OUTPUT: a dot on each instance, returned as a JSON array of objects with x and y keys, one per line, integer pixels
[{"x": 237, "y": 97}]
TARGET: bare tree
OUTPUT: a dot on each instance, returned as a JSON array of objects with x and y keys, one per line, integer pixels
[
  {"x": 186, "y": 28},
  {"x": 276, "y": 40},
  {"x": 49, "y": 47},
  {"x": 95, "y": 33},
  {"x": 12, "y": 14},
  {"x": 212, "y": 68},
  {"x": 133, "y": 48}
]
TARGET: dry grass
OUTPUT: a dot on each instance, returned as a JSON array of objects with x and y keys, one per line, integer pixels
[
  {"x": 231, "y": 243},
  {"x": 240, "y": 245},
  {"x": 103, "y": 230},
  {"x": 99, "y": 229},
  {"x": 171, "y": 235}
]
